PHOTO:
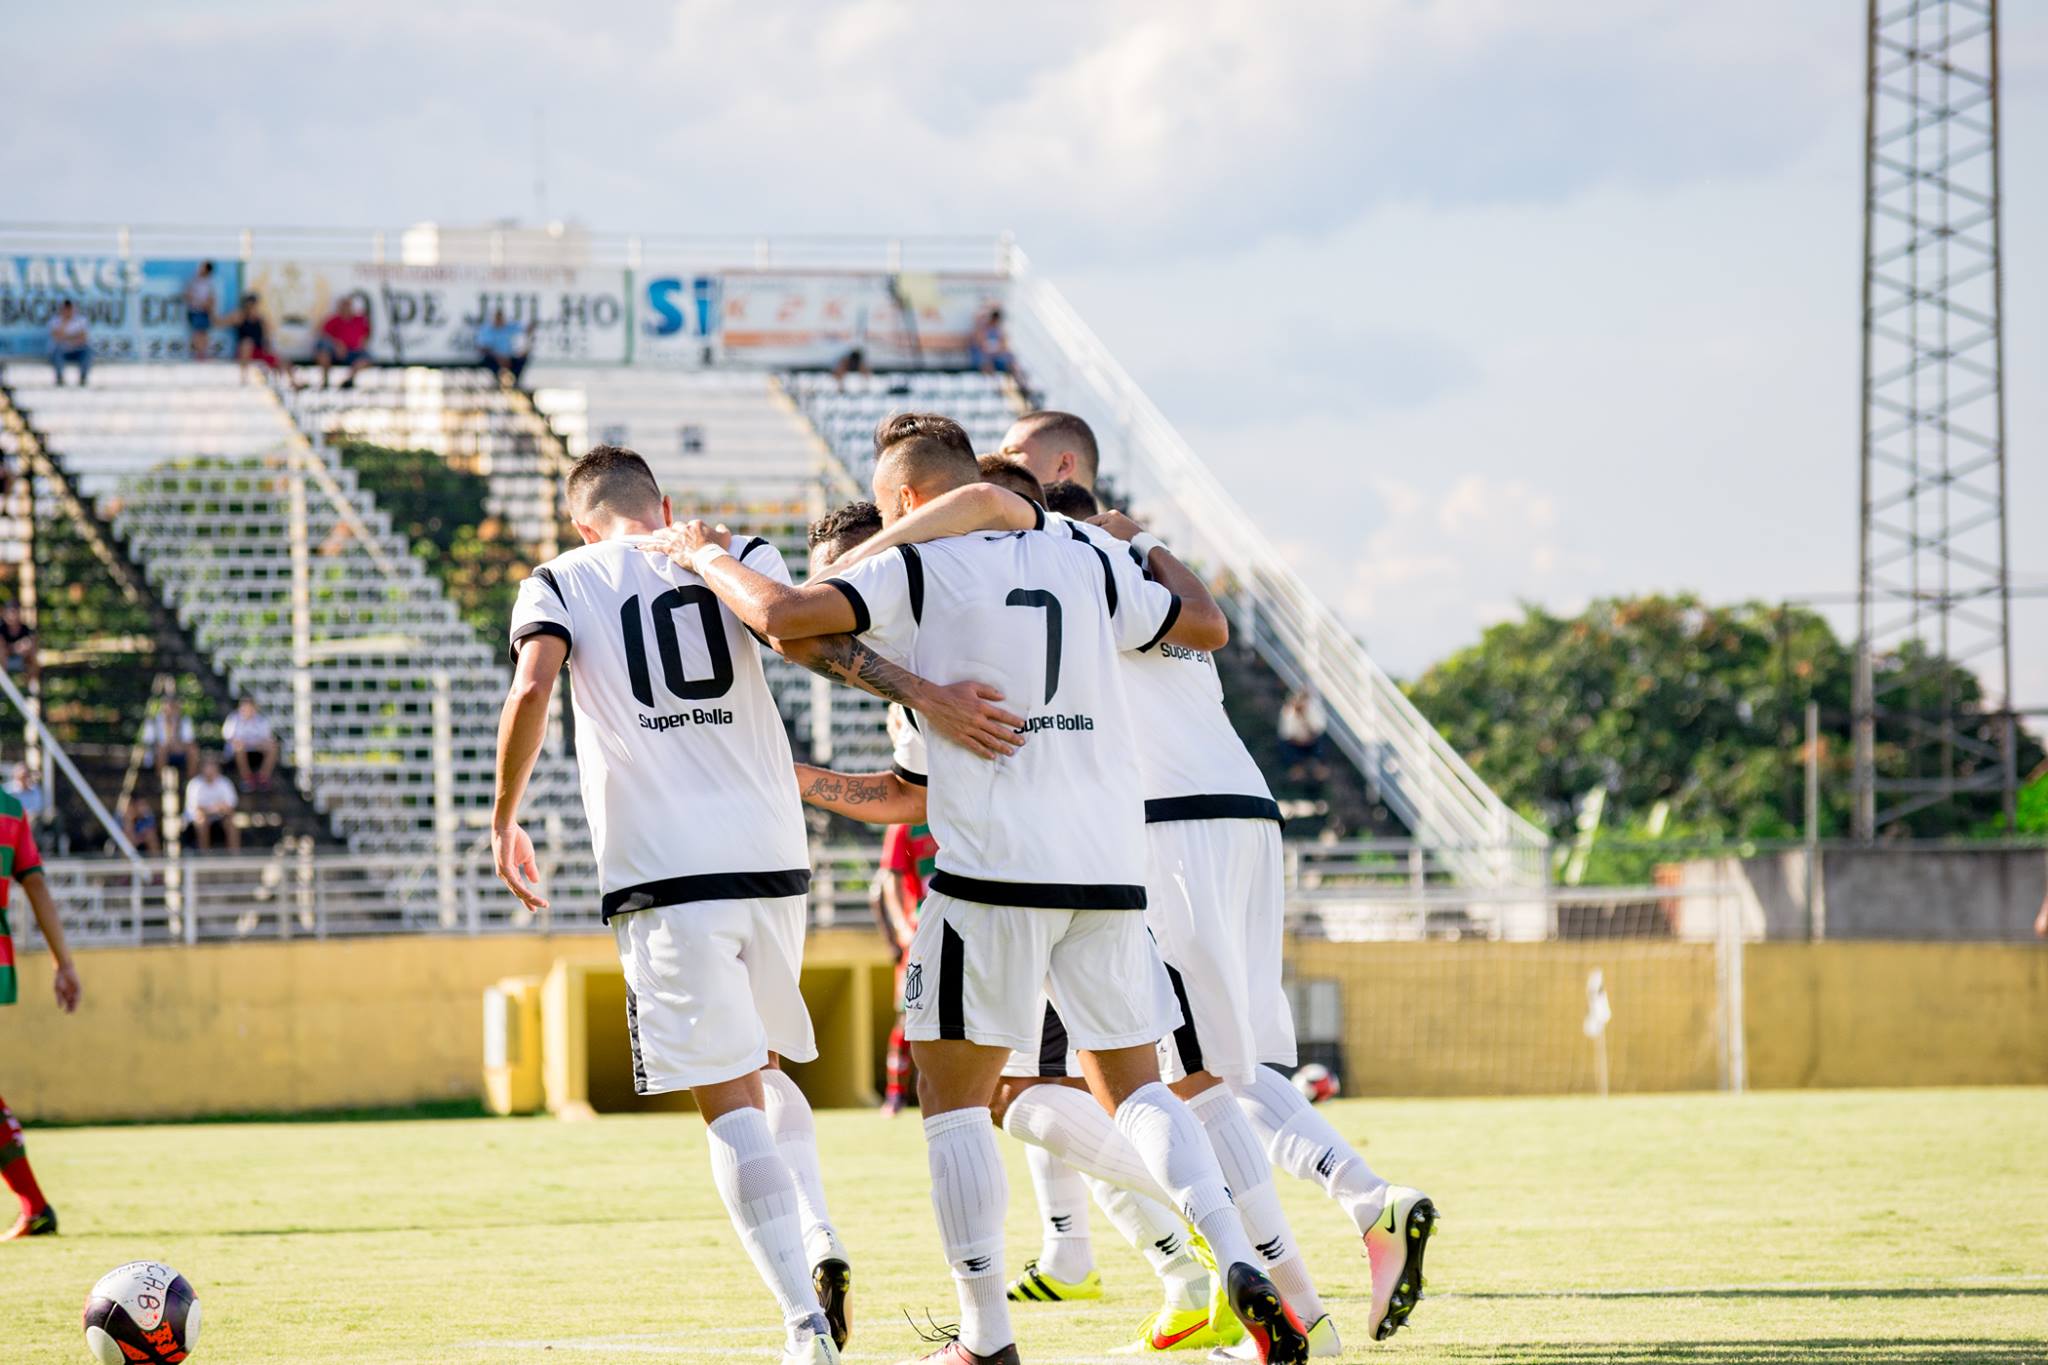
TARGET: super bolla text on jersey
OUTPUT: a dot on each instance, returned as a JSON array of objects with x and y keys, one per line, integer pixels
[{"x": 681, "y": 754}]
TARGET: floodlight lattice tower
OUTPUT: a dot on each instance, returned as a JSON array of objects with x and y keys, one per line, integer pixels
[{"x": 1935, "y": 593}]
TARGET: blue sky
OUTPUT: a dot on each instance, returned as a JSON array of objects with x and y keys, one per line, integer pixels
[{"x": 1531, "y": 301}]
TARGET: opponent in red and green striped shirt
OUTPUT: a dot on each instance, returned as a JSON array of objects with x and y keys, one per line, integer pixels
[{"x": 19, "y": 862}]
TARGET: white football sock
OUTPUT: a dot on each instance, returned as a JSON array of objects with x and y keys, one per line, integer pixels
[
  {"x": 760, "y": 1196},
  {"x": 1064, "y": 1253},
  {"x": 796, "y": 1138},
  {"x": 1302, "y": 1143},
  {"x": 1244, "y": 1166},
  {"x": 1073, "y": 1127},
  {"x": 1160, "y": 1237},
  {"x": 970, "y": 1194},
  {"x": 1177, "y": 1152}
]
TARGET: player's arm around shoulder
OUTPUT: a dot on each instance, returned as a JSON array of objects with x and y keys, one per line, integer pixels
[
  {"x": 1197, "y": 622},
  {"x": 770, "y": 608},
  {"x": 963, "y": 511}
]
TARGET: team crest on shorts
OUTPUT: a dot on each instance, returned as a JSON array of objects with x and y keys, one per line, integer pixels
[{"x": 913, "y": 983}]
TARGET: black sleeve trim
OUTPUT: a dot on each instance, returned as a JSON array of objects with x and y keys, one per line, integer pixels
[
  {"x": 1039, "y": 509},
  {"x": 533, "y": 628},
  {"x": 22, "y": 874},
  {"x": 1108, "y": 578},
  {"x": 1074, "y": 530},
  {"x": 861, "y": 619},
  {"x": 1172, "y": 615},
  {"x": 753, "y": 543},
  {"x": 914, "y": 779},
  {"x": 707, "y": 886},
  {"x": 1039, "y": 895},
  {"x": 1164, "y": 810},
  {"x": 913, "y": 573},
  {"x": 547, "y": 576}
]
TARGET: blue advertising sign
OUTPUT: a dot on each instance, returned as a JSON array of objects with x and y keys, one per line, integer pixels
[{"x": 134, "y": 309}]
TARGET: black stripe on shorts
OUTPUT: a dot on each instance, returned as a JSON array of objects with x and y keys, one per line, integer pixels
[
  {"x": 1052, "y": 1044},
  {"x": 1184, "y": 1039},
  {"x": 952, "y": 983}
]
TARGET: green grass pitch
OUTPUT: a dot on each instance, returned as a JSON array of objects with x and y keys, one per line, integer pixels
[{"x": 1897, "y": 1227}]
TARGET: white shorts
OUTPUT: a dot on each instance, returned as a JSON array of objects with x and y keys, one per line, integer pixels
[
  {"x": 1053, "y": 1059},
  {"x": 712, "y": 988},
  {"x": 1216, "y": 901},
  {"x": 983, "y": 973}
]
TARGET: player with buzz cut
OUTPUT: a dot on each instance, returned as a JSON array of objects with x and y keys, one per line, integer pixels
[
  {"x": 701, "y": 851},
  {"x": 1040, "y": 879},
  {"x": 1217, "y": 909},
  {"x": 20, "y": 862}
]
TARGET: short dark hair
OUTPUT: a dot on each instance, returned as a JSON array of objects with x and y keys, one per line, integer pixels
[
  {"x": 842, "y": 528},
  {"x": 614, "y": 478},
  {"x": 1005, "y": 472},
  {"x": 1070, "y": 499},
  {"x": 905, "y": 426},
  {"x": 1069, "y": 431}
]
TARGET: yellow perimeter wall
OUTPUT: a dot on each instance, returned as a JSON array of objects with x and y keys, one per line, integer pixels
[{"x": 305, "y": 1025}]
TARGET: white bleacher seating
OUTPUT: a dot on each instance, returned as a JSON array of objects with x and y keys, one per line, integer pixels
[
  {"x": 193, "y": 468},
  {"x": 846, "y": 412}
]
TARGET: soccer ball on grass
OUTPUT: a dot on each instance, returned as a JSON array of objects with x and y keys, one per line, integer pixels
[{"x": 142, "y": 1313}]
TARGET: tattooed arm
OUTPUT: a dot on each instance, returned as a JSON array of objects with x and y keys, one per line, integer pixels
[
  {"x": 872, "y": 798},
  {"x": 964, "y": 712}
]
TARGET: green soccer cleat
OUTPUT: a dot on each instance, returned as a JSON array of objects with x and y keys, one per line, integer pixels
[
  {"x": 1171, "y": 1329},
  {"x": 1035, "y": 1286}
]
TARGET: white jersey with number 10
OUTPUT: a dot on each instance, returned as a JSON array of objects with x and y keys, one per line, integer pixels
[{"x": 682, "y": 757}]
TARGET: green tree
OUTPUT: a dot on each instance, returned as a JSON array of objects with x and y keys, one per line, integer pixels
[{"x": 1667, "y": 701}]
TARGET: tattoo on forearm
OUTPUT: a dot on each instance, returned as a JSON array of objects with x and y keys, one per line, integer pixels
[
  {"x": 845, "y": 659},
  {"x": 850, "y": 791}
]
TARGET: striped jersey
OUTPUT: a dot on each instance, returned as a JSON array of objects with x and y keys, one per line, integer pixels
[{"x": 18, "y": 858}]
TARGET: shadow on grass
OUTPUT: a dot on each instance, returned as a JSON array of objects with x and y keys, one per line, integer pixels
[
  {"x": 1972, "y": 1291},
  {"x": 1896, "y": 1351},
  {"x": 410, "y": 1113}
]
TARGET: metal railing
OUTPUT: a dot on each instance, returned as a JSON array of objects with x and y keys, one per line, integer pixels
[
  {"x": 513, "y": 245},
  {"x": 1426, "y": 782}
]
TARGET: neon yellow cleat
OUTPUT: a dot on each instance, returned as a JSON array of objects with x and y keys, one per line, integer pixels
[
  {"x": 1035, "y": 1286},
  {"x": 1171, "y": 1329},
  {"x": 1223, "y": 1323}
]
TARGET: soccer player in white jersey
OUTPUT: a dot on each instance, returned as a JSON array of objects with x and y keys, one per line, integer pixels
[
  {"x": 686, "y": 777},
  {"x": 1041, "y": 860},
  {"x": 1394, "y": 1221},
  {"x": 1216, "y": 906}
]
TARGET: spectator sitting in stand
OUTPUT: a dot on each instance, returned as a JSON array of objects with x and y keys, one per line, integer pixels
[
  {"x": 70, "y": 342},
  {"x": 210, "y": 801},
  {"x": 25, "y": 787},
  {"x": 1301, "y": 737},
  {"x": 252, "y": 339},
  {"x": 167, "y": 736},
  {"x": 249, "y": 739},
  {"x": 18, "y": 641},
  {"x": 344, "y": 337},
  {"x": 988, "y": 346},
  {"x": 854, "y": 361},
  {"x": 505, "y": 346},
  {"x": 202, "y": 304},
  {"x": 139, "y": 822}
]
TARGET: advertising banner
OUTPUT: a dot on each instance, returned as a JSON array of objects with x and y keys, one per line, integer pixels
[
  {"x": 429, "y": 314},
  {"x": 134, "y": 309},
  {"x": 781, "y": 318}
]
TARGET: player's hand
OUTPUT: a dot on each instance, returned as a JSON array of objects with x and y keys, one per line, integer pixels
[
  {"x": 967, "y": 714},
  {"x": 696, "y": 535},
  {"x": 517, "y": 868},
  {"x": 1117, "y": 524},
  {"x": 67, "y": 988}
]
